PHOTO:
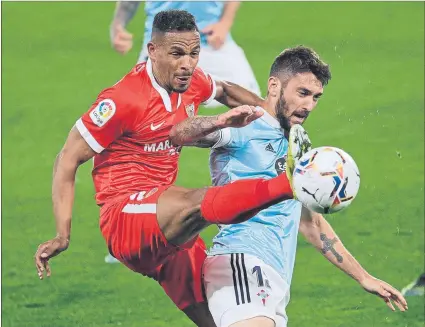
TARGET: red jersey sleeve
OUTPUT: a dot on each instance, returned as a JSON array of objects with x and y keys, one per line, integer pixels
[
  {"x": 206, "y": 86},
  {"x": 107, "y": 119}
]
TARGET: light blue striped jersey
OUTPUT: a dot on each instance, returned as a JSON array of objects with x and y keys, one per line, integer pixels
[
  {"x": 205, "y": 13},
  {"x": 257, "y": 151}
]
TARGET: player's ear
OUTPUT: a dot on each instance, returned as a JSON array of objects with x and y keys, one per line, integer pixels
[
  {"x": 151, "y": 50},
  {"x": 273, "y": 86}
]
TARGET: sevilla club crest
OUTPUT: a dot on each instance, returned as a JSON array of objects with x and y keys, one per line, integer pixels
[{"x": 190, "y": 110}]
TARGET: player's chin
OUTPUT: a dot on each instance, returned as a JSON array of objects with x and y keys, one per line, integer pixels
[
  {"x": 181, "y": 88},
  {"x": 181, "y": 84}
]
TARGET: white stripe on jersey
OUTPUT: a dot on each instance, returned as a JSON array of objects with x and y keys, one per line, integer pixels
[
  {"x": 214, "y": 90},
  {"x": 88, "y": 137},
  {"x": 140, "y": 208}
]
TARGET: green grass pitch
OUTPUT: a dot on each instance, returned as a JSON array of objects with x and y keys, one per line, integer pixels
[{"x": 56, "y": 57}]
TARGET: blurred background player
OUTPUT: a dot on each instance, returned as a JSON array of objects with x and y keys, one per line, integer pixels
[
  {"x": 415, "y": 288},
  {"x": 248, "y": 272},
  {"x": 220, "y": 56}
]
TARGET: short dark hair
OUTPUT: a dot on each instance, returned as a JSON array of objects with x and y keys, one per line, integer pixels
[
  {"x": 174, "y": 20},
  {"x": 300, "y": 59}
]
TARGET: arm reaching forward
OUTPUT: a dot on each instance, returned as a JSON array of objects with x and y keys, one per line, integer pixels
[
  {"x": 233, "y": 95},
  {"x": 194, "y": 129},
  {"x": 319, "y": 233}
]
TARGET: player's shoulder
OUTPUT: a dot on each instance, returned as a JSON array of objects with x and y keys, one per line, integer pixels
[
  {"x": 202, "y": 84},
  {"x": 200, "y": 76},
  {"x": 267, "y": 122},
  {"x": 133, "y": 88},
  {"x": 200, "y": 72},
  {"x": 254, "y": 132},
  {"x": 136, "y": 80},
  {"x": 254, "y": 129}
]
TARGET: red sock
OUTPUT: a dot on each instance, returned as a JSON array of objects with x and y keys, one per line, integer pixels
[{"x": 243, "y": 199}]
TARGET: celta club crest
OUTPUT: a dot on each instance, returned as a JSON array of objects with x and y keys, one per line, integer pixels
[
  {"x": 190, "y": 110},
  {"x": 263, "y": 296},
  {"x": 280, "y": 165}
]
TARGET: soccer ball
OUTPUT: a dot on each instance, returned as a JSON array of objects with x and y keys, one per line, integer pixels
[{"x": 326, "y": 180}]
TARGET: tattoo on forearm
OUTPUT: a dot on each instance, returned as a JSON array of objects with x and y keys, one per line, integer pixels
[
  {"x": 208, "y": 140},
  {"x": 125, "y": 11},
  {"x": 328, "y": 245},
  {"x": 192, "y": 129}
]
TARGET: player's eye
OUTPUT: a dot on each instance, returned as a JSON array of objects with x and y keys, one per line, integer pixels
[{"x": 177, "y": 54}]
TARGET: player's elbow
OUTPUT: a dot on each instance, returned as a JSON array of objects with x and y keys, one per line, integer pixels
[
  {"x": 306, "y": 228},
  {"x": 66, "y": 162}
]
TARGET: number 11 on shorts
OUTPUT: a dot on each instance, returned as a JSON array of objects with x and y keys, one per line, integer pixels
[{"x": 261, "y": 280}]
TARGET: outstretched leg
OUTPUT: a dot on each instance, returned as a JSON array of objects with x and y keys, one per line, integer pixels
[
  {"x": 183, "y": 213},
  {"x": 181, "y": 278}
]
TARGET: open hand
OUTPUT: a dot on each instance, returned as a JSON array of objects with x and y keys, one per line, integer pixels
[
  {"x": 46, "y": 251},
  {"x": 386, "y": 292},
  {"x": 239, "y": 116}
]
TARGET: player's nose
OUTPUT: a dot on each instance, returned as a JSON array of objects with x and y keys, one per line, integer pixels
[
  {"x": 188, "y": 63},
  {"x": 185, "y": 63},
  {"x": 309, "y": 104}
]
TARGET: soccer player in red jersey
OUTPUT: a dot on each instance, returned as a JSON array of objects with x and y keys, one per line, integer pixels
[{"x": 133, "y": 130}]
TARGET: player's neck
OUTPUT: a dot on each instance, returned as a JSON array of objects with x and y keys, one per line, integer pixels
[
  {"x": 160, "y": 80},
  {"x": 269, "y": 106}
]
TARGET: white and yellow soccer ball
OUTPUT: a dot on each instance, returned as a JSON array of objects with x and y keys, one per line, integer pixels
[{"x": 326, "y": 180}]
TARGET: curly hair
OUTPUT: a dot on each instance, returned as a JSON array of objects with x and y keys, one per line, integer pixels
[
  {"x": 300, "y": 59},
  {"x": 174, "y": 20}
]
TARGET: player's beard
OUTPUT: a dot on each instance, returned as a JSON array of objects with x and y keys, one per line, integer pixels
[{"x": 281, "y": 107}]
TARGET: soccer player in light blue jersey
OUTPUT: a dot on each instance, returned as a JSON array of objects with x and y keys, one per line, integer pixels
[
  {"x": 220, "y": 56},
  {"x": 248, "y": 272}
]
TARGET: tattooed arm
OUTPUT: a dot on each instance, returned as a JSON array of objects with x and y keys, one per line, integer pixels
[
  {"x": 321, "y": 235},
  {"x": 124, "y": 12},
  {"x": 207, "y": 141},
  {"x": 193, "y": 130},
  {"x": 319, "y": 232},
  {"x": 121, "y": 39}
]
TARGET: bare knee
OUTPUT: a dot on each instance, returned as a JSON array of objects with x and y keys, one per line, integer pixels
[{"x": 255, "y": 322}]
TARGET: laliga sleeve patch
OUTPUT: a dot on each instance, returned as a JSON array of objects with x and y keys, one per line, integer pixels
[{"x": 103, "y": 112}]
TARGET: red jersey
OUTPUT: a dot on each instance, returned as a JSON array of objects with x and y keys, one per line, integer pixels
[{"x": 129, "y": 125}]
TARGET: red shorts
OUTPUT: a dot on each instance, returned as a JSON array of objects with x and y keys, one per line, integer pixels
[{"x": 133, "y": 236}]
